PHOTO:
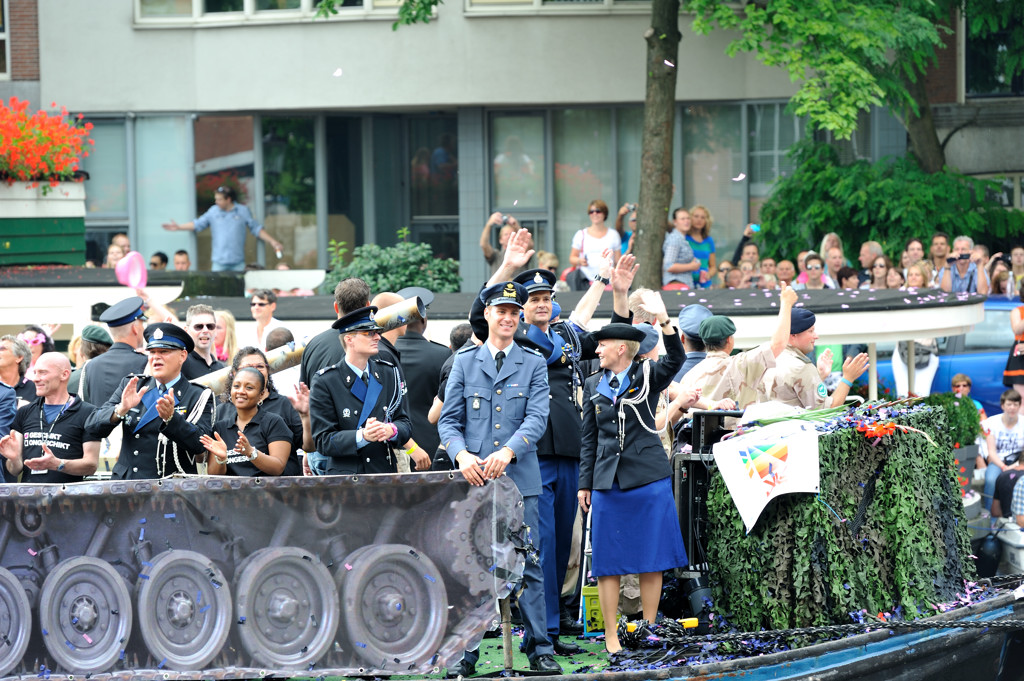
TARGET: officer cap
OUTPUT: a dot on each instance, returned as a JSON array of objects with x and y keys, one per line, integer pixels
[
  {"x": 556, "y": 310},
  {"x": 425, "y": 295},
  {"x": 171, "y": 336},
  {"x": 96, "y": 334},
  {"x": 506, "y": 293},
  {"x": 650, "y": 340},
  {"x": 358, "y": 320},
  {"x": 690, "y": 318},
  {"x": 537, "y": 280},
  {"x": 124, "y": 312},
  {"x": 619, "y": 332},
  {"x": 800, "y": 320},
  {"x": 716, "y": 329}
]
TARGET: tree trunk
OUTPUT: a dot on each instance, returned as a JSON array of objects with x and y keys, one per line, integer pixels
[
  {"x": 924, "y": 140},
  {"x": 659, "y": 124}
]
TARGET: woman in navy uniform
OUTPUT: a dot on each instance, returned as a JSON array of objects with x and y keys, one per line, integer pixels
[
  {"x": 162, "y": 416},
  {"x": 248, "y": 440},
  {"x": 356, "y": 407},
  {"x": 623, "y": 468}
]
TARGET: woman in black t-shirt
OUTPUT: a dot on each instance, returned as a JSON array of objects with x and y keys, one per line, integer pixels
[{"x": 248, "y": 441}]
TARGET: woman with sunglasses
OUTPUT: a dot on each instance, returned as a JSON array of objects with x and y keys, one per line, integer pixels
[
  {"x": 589, "y": 243},
  {"x": 248, "y": 441},
  {"x": 295, "y": 415},
  {"x": 879, "y": 273}
]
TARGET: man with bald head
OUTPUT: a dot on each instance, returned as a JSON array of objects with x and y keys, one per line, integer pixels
[{"x": 49, "y": 440}]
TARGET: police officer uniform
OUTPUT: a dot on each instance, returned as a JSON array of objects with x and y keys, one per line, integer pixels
[
  {"x": 196, "y": 367},
  {"x": 102, "y": 375},
  {"x": 150, "y": 447},
  {"x": 635, "y": 527},
  {"x": 795, "y": 380},
  {"x": 486, "y": 409},
  {"x": 340, "y": 403}
]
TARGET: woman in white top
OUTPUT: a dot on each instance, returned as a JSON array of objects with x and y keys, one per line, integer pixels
[{"x": 589, "y": 243}]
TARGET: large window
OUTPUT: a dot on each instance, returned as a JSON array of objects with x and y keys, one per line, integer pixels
[
  {"x": 771, "y": 132},
  {"x": 289, "y": 191},
  {"x": 714, "y": 169},
  {"x": 518, "y": 162},
  {"x": 584, "y": 170},
  {"x": 106, "y": 191},
  {"x": 986, "y": 62}
]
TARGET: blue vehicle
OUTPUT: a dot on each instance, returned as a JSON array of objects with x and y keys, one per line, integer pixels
[{"x": 980, "y": 353}]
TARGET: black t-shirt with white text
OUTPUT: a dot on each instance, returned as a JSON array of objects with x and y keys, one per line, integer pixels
[{"x": 64, "y": 436}]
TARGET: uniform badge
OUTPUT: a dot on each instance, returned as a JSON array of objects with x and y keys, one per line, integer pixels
[
  {"x": 158, "y": 334},
  {"x": 476, "y": 403},
  {"x": 563, "y": 359},
  {"x": 346, "y": 413},
  {"x": 537, "y": 279},
  {"x": 597, "y": 408},
  {"x": 348, "y": 379},
  {"x": 821, "y": 390}
]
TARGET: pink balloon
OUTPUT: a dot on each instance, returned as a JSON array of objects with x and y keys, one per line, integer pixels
[{"x": 131, "y": 270}]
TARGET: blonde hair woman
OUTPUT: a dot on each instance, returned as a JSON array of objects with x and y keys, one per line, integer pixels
[{"x": 225, "y": 343}]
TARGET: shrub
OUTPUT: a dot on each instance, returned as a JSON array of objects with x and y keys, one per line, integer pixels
[{"x": 393, "y": 268}]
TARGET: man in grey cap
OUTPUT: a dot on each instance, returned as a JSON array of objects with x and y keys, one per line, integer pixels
[
  {"x": 724, "y": 376},
  {"x": 797, "y": 381},
  {"x": 690, "y": 318},
  {"x": 95, "y": 341},
  {"x": 126, "y": 321}
]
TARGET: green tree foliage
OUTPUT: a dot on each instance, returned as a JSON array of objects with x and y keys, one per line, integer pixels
[
  {"x": 394, "y": 268},
  {"x": 889, "y": 201}
]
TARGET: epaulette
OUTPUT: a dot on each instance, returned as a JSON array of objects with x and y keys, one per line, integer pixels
[
  {"x": 326, "y": 369},
  {"x": 595, "y": 373},
  {"x": 385, "y": 362},
  {"x": 466, "y": 349},
  {"x": 532, "y": 351}
]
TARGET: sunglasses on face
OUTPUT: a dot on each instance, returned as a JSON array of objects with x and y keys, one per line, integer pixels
[
  {"x": 961, "y": 385},
  {"x": 594, "y": 210},
  {"x": 200, "y": 327},
  {"x": 814, "y": 267},
  {"x": 255, "y": 304},
  {"x": 879, "y": 264}
]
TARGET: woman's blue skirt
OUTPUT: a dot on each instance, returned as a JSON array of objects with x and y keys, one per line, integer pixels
[{"x": 636, "y": 530}]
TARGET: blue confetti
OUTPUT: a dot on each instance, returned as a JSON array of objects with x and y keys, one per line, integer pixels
[
  {"x": 142, "y": 533},
  {"x": 204, "y": 609},
  {"x": 361, "y": 645},
  {"x": 168, "y": 516},
  {"x": 430, "y": 578},
  {"x": 162, "y": 663}
]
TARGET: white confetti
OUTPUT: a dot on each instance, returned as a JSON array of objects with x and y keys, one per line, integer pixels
[
  {"x": 740, "y": 177},
  {"x": 669, "y": 64},
  {"x": 337, "y": 72}
]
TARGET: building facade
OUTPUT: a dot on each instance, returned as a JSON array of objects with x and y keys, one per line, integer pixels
[{"x": 345, "y": 129}]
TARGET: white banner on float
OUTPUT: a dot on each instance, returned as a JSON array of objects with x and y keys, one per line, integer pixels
[{"x": 763, "y": 464}]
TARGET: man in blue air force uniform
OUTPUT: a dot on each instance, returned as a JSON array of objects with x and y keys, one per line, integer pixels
[{"x": 495, "y": 410}]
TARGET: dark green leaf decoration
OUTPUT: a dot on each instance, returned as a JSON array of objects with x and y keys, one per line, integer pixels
[{"x": 902, "y": 542}]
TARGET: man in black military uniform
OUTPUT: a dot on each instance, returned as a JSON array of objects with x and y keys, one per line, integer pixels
[
  {"x": 49, "y": 437},
  {"x": 356, "y": 407},
  {"x": 422, "y": 360},
  {"x": 162, "y": 416},
  {"x": 324, "y": 349},
  {"x": 103, "y": 374}
]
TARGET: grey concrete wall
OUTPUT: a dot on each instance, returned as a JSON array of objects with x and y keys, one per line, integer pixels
[{"x": 94, "y": 59}]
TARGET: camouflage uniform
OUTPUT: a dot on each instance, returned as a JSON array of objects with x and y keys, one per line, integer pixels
[
  {"x": 737, "y": 377},
  {"x": 796, "y": 382}
]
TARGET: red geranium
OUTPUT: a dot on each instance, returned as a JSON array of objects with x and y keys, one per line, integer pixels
[{"x": 40, "y": 146}]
